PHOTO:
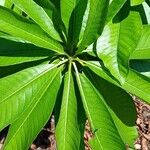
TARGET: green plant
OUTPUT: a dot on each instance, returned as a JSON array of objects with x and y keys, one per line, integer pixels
[{"x": 78, "y": 59}]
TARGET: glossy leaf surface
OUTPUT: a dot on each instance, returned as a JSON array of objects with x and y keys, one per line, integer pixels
[
  {"x": 142, "y": 50},
  {"x": 116, "y": 100},
  {"x": 27, "y": 30},
  {"x": 116, "y": 44},
  {"x": 67, "y": 127},
  {"x": 15, "y": 99},
  {"x": 95, "y": 22},
  {"x": 94, "y": 105},
  {"x": 38, "y": 14},
  {"x": 28, "y": 124}
]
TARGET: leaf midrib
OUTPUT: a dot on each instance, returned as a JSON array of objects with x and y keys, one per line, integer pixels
[
  {"x": 84, "y": 100},
  {"x": 38, "y": 37},
  {"x": 44, "y": 72},
  {"x": 35, "y": 104},
  {"x": 66, "y": 112}
]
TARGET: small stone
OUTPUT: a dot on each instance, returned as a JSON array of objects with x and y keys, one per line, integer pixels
[
  {"x": 138, "y": 121},
  {"x": 1, "y": 145},
  {"x": 33, "y": 146},
  {"x": 137, "y": 146}
]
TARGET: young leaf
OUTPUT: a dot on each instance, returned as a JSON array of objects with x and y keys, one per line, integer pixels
[
  {"x": 67, "y": 130},
  {"x": 18, "y": 26},
  {"x": 38, "y": 14},
  {"x": 95, "y": 22},
  {"x": 24, "y": 130},
  {"x": 99, "y": 117}
]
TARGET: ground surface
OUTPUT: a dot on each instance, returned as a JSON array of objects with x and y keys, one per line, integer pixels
[{"x": 46, "y": 139}]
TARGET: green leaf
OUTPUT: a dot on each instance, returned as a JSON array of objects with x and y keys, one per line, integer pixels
[
  {"x": 56, "y": 3},
  {"x": 135, "y": 83},
  {"x": 54, "y": 14},
  {"x": 121, "y": 107},
  {"x": 116, "y": 44},
  {"x": 15, "y": 53},
  {"x": 9, "y": 4},
  {"x": 99, "y": 117},
  {"x": 95, "y": 22},
  {"x": 11, "y": 38},
  {"x": 47, "y": 6},
  {"x": 84, "y": 21},
  {"x": 142, "y": 50},
  {"x": 97, "y": 68},
  {"x": 114, "y": 8},
  {"x": 67, "y": 130},
  {"x": 18, "y": 90},
  {"x": 138, "y": 85},
  {"x": 18, "y": 26},
  {"x": 14, "y": 61},
  {"x": 76, "y": 23},
  {"x": 136, "y": 2},
  {"x": 81, "y": 118},
  {"x": 69, "y": 6},
  {"x": 25, "y": 129},
  {"x": 38, "y": 14}
]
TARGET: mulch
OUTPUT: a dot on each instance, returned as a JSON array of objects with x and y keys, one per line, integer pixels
[
  {"x": 143, "y": 125},
  {"x": 46, "y": 139}
]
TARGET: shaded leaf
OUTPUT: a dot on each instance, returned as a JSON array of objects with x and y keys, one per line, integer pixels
[
  {"x": 11, "y": 38},
  {"x": 14, "y": 52},
  {"x": 121, "y": 107},
  {"x": 142, "y": 66},
  {"x": 99, "y": 117}
]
